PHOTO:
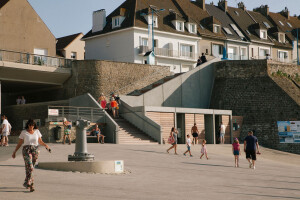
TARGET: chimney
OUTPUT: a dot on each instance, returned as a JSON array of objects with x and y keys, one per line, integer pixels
[
  {"x": 223, "y": 5},
  {"x": 286, "y": 13},
  {"x": 201, "y": 3},
  {"x": 263, "y": 9},
  {"x": 242, "y": 6},
  {"x": 99, "y": 20}
]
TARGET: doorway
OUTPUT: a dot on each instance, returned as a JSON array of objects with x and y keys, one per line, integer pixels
[{"x": 180, "y": 117}]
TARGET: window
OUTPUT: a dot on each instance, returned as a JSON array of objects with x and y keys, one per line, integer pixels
[
  {"x": 117, "y": 22},
  {"x": 263, "y": 34},
  {"x": 290, "y": 25},
  {"x": 227, "y": 31},
  {"x": 217, "y": 28},
  {"x": 267, "y": 25},
  {"x": 248, "y": 32},
  {"x": 192, "y": 28},
  {"x": 144, "y": 42},
  {"x": 237, "y": 13},
  {"x": 179, "y": 26},
  {"x": 201, "y": 27},
  {"x": 186, "y": 50},
  {"x": 281, "y": 37},
  {"x": 73, "y": 55},
  {"x": 233, "y": 26},
  {"x": 281, "y": 23}
]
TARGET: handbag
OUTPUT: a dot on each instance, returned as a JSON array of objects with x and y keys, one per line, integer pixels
[{"x": 171, "y": 140}]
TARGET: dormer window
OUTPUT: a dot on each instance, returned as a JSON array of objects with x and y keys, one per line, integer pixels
[
  {"x": 263, "y": 34},
  {"x": 281, "y": 37},
  {"x": 217, "y": 28},
  {"x": 267, "y": 25},
  {"x": 117, "y": 21},
  {"x": 180, "y": 26},
  {"x": 192, "y": 28}
]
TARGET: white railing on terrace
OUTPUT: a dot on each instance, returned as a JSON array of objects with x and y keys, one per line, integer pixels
[
  {"x": 34, "y": 59},
  {"x": 168, "y": 53}
]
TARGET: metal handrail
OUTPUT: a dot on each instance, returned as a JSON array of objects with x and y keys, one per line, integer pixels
[{"x": 34, "y": 59}]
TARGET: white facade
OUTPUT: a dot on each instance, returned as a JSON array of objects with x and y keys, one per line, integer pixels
[
  {"x": 114, "y": 46},
  {"x": 178, "y": 51}
]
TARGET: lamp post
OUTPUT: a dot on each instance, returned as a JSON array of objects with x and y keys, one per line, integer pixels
[{"x": 153, "y": 10}]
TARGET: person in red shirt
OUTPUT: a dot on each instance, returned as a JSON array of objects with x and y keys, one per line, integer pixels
[{"x": 113, "y": 105}]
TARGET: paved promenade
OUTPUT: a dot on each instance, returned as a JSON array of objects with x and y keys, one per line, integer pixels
[{"x": 154, "y": 174}]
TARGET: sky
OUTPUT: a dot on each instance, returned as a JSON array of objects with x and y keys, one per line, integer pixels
[{"x": 66, "y": 17}]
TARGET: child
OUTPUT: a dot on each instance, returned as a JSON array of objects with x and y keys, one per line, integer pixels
[
  {"x": 203, "y": 150},
  {"x": 188, "y": 143},
  {"x": 236, "y": 151}
]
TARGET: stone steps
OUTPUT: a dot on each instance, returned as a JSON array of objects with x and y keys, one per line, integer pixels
[{"x": 129, "y": 134}]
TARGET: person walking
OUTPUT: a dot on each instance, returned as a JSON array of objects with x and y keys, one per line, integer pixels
[
  {"x": 195, "y": 133},
  {"x": 67, "y": 131},
  {"x": 188, "y": 145},
  {"x": 222, "y": 133},
  {"x": 173, "y": 135},
  {"x": 5, "y": 130},
  {"x": 102, "y": 101},
  {"x": 31, "y": 137},
  {"x": 204, "y": 150},
  {"x": 251, "y": 148},
  {"x": 236, "y": 151},
  {"x": 113, "y": 105}
]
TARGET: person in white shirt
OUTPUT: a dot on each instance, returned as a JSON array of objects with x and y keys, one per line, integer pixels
[
  {"x": 222, "y": 133},
  {"x": 5, "y": 130},
  {"x": 31, "y": 137},
  {"x": 188, "y": 145}
]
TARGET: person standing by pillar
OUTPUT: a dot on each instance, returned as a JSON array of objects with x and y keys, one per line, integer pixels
[
  {"x": 67, "y": 131},
  {"x": 31, "y": 137},
  {"x": 222, "y": 133}
]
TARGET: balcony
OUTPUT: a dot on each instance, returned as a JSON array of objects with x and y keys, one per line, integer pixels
[
  {"x": 33, "y": 59},
  {"x": 164, "y": 52}
]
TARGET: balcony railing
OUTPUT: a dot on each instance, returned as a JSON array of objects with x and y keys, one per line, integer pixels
[
  {"x": 168, "y": 53},
  {"x": 34, "y": 59}
]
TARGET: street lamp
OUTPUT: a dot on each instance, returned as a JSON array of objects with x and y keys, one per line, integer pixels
[
  {"x": 156, "y": 11},
  {"x": 297, "y": 33}
]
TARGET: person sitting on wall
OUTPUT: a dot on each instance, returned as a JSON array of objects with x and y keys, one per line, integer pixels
[
  {"x": 199, "y": 61},
  {"x": 97, "y": 132}
]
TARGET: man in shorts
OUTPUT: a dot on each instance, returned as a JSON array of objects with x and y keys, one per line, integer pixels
[
  {"x": 222, "y": 133},
  {"x": 250, "y": 148},
  {"x": 195, "y": 133}
]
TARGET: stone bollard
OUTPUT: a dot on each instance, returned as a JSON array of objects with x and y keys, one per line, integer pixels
[{"x": 81, "y": 153}]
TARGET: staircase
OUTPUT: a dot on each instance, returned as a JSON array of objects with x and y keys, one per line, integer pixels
[
  {"x": 129, "y": 134},
  {"x": 153, "y": 85}
]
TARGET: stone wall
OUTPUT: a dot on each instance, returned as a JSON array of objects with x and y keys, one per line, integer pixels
[
  {"x": 248, "y": 89},
  {"x": 96, "y": 77}
]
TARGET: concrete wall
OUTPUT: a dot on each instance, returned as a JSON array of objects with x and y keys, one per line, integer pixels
[
  {"x": 23, "y": 30},
  {"x": 77, "y": 46},
  {"x": 249, "y": 90},
  {"x": 190, "y": 90}
]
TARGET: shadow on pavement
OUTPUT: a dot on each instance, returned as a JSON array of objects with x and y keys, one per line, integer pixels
[
  {"x": 208, "y": 164},
  {"x": 12, "y": 189},
  {"x": 148, "y": 151},
  {"x": 11, "y": 165}
]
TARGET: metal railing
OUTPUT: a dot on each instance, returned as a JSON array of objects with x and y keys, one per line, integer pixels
[
  {"x": 168, "y": 53},
  {"x": 73, "y": 113},
  {"x": 34, "y": 59}
]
